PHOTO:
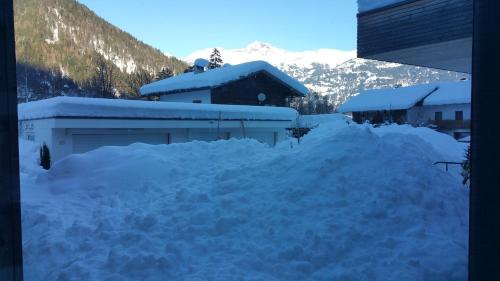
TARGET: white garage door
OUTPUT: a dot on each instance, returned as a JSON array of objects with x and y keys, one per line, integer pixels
[{"x": 87, "y": 142}]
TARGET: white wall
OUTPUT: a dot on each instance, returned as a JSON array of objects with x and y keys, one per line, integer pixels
[
  {"x": 425, "y": 113},
  {"x": 189, "y": 97},
  {"x": 67, "y": 136}
]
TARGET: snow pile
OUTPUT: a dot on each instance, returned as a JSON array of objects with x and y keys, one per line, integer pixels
[
  {"x": 312, "y": 121},
  {"x": 110, "y": 108},
  {"x": 218, "y": 76},
  {"x": 450, "y": 93},
  {"x": 349, "y": 203},
  {"x": 446, "y": 146},
  {"x": 29, "y": 156}
]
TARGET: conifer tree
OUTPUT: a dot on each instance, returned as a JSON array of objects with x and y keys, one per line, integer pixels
[
  {"x": 466, "y": 166},
  {"x": 215, "y": 59},
  {"x": 164, "y": 73}
]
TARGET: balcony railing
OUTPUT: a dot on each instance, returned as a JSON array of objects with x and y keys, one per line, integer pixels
[{"x": 451, "y": 124}]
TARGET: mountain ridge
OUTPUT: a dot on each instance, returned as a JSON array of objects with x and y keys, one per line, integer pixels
[
  {"x": 61, "y": 38},
  {"x": 335, "y": 74}
]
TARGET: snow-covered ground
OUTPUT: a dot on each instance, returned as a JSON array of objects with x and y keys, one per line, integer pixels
[{"x": 349, "y": 202}]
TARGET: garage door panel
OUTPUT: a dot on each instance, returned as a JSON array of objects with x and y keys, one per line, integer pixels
[{"x": 87, "y": 142}]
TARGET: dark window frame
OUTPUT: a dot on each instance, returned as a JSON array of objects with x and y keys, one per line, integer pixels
[
  {"x": 11, "y": 261},
  {"x": 459, "y": 115},
  {"x": 440, "y": 114}
]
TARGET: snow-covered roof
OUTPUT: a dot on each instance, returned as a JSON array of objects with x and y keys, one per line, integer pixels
[
  {"x": 450, "y": 93},
  {"x": 201, "y": 62},
  {"x": 388, "y": 99},
  {"x": 219, "y": 76},
  {"x": 404, "y": 98},
  {"x": 110, "y": 108}
]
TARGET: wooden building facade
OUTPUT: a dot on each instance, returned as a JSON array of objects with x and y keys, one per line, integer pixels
[{"x": 253, "y": 83}]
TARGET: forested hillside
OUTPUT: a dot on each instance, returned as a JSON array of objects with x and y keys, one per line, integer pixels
[{"x": 65, "y": 48}]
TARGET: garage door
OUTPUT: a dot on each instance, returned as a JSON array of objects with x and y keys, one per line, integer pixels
[{"x": 87, "y": 142}]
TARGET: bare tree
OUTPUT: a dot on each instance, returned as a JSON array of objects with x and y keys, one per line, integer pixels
[{"x": 102, "y": 84}]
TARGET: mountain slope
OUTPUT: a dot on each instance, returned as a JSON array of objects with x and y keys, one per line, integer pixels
[
  {"x": 332, "y": 73},
  {"x": 62, "y": 37}
]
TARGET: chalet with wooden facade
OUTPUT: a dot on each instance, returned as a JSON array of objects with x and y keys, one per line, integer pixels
[
  {"x": 431, "y": 33},
  {"x": 445, "y": 106},
  {"x": 251, "y": 83}
]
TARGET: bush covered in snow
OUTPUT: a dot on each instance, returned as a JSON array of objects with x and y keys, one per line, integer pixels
[{"x": 349, "y": 203}]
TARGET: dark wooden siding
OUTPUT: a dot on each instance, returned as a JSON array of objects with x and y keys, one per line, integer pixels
[
  {"x": 245, "y": 91},
  {"x": 379, "y": 117},
  {"x": 413, "y": 23}
]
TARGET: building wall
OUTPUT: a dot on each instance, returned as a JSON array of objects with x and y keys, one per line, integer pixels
[
  {"x": 203, "y": 95},
  {"x": 68, "y": 136},
  {"x": 246, "y": 90},
  {"x": 420, "y": 114}
]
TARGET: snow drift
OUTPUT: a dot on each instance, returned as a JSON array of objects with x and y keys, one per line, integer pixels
[{"x": 349, "y": 203}]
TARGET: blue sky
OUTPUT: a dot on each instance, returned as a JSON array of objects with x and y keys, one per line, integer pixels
[{"x": 181, "y": 27}]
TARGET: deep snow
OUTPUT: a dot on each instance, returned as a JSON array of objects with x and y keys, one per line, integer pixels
[{"x": 349, "y": 202}]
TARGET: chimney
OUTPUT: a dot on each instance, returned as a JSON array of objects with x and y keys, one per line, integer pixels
[{"x": 200, "y": 65}]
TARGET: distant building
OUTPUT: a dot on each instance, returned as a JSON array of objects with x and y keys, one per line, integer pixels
[
  {"x": 446, "y": 106},
  {"x": 69, "y": 125},
  {"x": 251, "y": 83}
]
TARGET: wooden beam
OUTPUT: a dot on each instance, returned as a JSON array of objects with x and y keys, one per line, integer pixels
[
  {"x": 484, "y": 232},
  {"x": 11, "y": 266}
]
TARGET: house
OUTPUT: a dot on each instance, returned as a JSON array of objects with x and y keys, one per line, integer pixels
[
  {"x": 251, "y": 83},
  {"x": 71, "y": 125},
  {"x": 431, "y": 33},
  {"x": 446, "y": 106}
]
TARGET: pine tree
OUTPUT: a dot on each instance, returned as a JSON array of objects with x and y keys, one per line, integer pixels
[
  {"x": 103, "y": 83},
  {"x": 45, "y": 157},
  {"x": 466, "y": 166},
  {"x": 164, "y": 73},
  {"x": 215, "y": 59},
  {"x": 138, "y": 79}
]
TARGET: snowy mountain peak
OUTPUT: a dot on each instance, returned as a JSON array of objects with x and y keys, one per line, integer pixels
[
  {"x": 279, "y": 57},
  {"x": 258, "y": 46}
]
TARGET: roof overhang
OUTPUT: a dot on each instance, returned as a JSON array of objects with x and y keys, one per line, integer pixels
[
  {"x": 429, "y": 33},
  {"x": 453, "y": 55}
]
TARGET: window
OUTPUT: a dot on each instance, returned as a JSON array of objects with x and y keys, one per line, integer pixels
[
  {"x": 197, "y": 101},
  {"x": 459, "y": 115},
  {"x": 438, "y": 116}
]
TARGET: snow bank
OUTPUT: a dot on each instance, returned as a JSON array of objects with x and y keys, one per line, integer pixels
[
  {"x": 218, "y": 76},
  {"x": 312, "y": 121},
  {"x": 446, "y": 146},
  {"x": 349, "y": 203},
  {"x": 111, "y": 108}
]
